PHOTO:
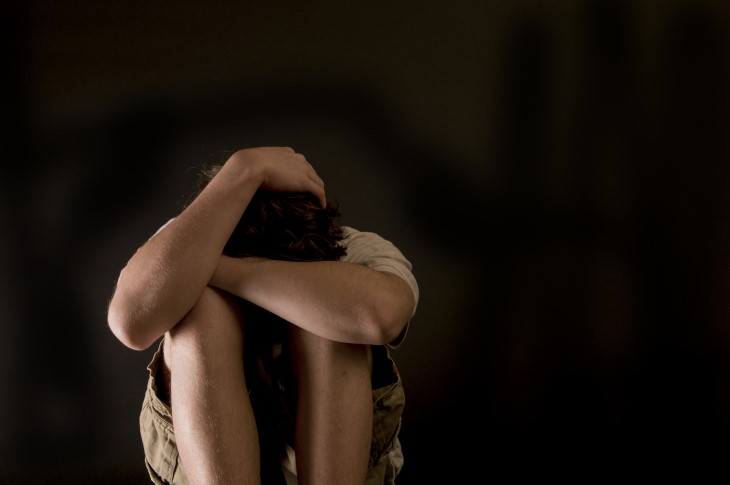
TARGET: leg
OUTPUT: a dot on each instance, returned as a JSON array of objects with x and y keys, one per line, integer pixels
[
  {"x": 334, "y": 420},
  {"x": 214, "y": 423}
]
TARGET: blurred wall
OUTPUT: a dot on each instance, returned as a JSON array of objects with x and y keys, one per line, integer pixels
[{"x": 556, "y": 172}]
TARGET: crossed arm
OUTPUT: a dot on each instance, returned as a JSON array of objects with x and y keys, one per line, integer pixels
[{"x": 163, "y": 280}]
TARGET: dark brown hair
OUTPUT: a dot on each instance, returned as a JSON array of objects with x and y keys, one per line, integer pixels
[{"x": 290, "y": 226}]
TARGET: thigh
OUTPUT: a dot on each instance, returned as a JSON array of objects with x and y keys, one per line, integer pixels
[
  {"x": 386, "y": 456},
  {"x": 214, "y": 328},
  {"x": 157, "y": 431}
]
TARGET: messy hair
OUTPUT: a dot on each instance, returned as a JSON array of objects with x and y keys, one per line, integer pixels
[{"x": 291, "y": 226}]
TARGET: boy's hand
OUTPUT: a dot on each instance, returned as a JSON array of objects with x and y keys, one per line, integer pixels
[{"x": 283, "y": 170}]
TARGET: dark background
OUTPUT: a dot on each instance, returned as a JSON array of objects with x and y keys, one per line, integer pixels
[{"x": 557, "y": 173}]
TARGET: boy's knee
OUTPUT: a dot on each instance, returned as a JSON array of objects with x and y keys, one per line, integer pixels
[
  {"x": 214, "y": 320},
  {"x": 310, "y": 348}
]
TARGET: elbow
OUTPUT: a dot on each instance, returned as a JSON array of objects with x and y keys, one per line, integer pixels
[
  {"x": 388, "y": 334},
  {"x": 388, "y": 319},
  {"x": 126, "y": 330},
  {"x": 391, "y": 307}
]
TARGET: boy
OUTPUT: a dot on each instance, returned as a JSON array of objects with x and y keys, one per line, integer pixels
[{"x": 274, "y": 324}]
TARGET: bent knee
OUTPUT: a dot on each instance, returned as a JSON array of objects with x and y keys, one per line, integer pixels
[
  {"x": 215, "y": 318},
  {"x": 308, "y": 347}
]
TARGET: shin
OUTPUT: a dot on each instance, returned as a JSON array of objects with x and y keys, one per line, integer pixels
[{"x": 334, "y": 409}]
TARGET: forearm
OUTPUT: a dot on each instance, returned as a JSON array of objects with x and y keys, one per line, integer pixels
[
  {"x": 165, "y": 277},
  {"x": 340, "y": 301}
]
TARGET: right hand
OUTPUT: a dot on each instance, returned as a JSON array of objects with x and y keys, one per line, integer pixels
[{"x": 283, "y": 170}]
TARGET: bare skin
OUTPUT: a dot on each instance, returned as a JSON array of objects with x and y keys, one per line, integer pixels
[
  {"x": 214, "y": 423},
  {"x": 206, "y": 352},
  {"x": 171, "y": 286},
  {"x": 342, "y": 420}
]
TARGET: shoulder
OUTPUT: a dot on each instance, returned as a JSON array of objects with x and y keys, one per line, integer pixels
[{"x": 363, "y": 246}]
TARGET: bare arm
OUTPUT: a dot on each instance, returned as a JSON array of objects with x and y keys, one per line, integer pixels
[
  {"x": 166, "y": 276},
  {"x": 337, "y": 300}
]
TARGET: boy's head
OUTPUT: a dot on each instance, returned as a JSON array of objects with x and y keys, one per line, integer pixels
[{"x": 284, "y": 225}]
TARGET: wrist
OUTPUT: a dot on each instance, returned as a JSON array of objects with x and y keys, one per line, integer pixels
[
  {"x": 234, "y": 275},
  {"x": 248, "y": 169}
]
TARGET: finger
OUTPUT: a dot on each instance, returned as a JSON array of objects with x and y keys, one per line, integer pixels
[
  {"x": 322, "y": 198},
  {"x": 318, "y": 190},
  {"x": 312, "y": 173},
  {"x": 319, "y": 183}
]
